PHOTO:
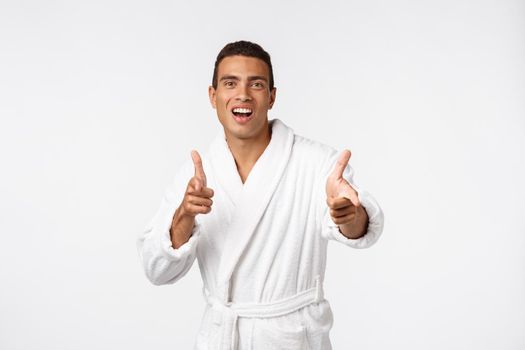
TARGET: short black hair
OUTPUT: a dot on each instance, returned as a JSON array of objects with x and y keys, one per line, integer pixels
[{"x": 243, "y": 48}]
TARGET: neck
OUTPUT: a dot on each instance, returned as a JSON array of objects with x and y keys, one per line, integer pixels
[{"x": 247, "y": 151}]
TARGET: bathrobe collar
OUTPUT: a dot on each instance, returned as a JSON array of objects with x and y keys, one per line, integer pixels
[{"x": 251, "y": 198}]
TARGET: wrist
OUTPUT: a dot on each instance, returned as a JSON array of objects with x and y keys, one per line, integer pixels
[{"x": 181, "y": 228}]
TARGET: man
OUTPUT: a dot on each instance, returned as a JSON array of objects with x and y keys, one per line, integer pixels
[{"x": 257, "y": 212}]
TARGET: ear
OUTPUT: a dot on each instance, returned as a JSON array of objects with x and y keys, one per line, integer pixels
[
  {"x": 272, "y": 97},
  {"x": 213, "y": 96}
]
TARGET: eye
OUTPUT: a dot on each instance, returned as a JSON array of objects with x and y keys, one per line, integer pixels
[
  {"x": 258, "y": 85},
  {"x": 229, "y": 83}
]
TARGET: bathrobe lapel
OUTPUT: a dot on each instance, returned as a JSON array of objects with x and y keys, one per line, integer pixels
[{"x": 251, "y": 199}]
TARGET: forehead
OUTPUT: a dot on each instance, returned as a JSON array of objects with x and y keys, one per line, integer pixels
[{"x": 243, "y": 66}]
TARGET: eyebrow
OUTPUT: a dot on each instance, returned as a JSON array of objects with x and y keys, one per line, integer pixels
[{"x": 252, "y": 78}]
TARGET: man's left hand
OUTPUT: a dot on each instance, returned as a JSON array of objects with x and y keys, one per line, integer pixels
[{"x": 345, "y": 209}]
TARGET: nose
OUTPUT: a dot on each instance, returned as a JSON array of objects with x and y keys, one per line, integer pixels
[{"x": 244, "y": 94}]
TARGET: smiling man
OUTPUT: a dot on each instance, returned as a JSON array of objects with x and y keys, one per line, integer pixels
[{"x": 257, "y": 211}]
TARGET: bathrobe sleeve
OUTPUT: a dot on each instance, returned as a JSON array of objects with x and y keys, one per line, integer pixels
[
  {"x": 162, "y": 263},
  {"x": 330, "y": 230}
]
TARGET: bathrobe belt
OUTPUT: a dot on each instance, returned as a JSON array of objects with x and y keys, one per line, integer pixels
[{"x": 225, "y": 315}]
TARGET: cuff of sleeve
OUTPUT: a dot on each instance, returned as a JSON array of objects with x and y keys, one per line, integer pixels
[
  {"x": 184, "y": 250},
  {"x": 375, "y": 224}
]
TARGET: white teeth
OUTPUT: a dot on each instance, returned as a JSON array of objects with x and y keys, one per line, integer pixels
[{"x": 242, "y": 110}]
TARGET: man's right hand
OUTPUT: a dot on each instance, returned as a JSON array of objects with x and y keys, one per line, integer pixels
[{"x": 197, "y": 200}]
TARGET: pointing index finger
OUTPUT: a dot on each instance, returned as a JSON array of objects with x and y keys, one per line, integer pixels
[
  {"x": 341, "y": 164},
  {"x": 197, "y": 162}
]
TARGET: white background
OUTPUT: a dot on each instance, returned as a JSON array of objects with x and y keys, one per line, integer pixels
[{"x": 101, "y": 101}]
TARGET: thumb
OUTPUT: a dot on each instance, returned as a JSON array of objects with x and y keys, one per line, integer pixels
[
  {"x": 341, "y": 164},
  {"x": 199, "y": 170}
]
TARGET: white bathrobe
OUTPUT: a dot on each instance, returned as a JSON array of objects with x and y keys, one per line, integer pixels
[{"x": 262, "y": 248}]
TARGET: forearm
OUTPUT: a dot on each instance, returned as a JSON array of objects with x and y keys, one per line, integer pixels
[
  {"x": 181, "y": 228},
  {"x": 358, "y": 227}
]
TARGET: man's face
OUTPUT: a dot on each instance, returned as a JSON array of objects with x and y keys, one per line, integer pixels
[{"x": 242, "y": 98}]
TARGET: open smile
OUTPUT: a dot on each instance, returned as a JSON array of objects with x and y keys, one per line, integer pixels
[
  {"x": 242, "y": 112},
  {"x": 242, "y": 115}
]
